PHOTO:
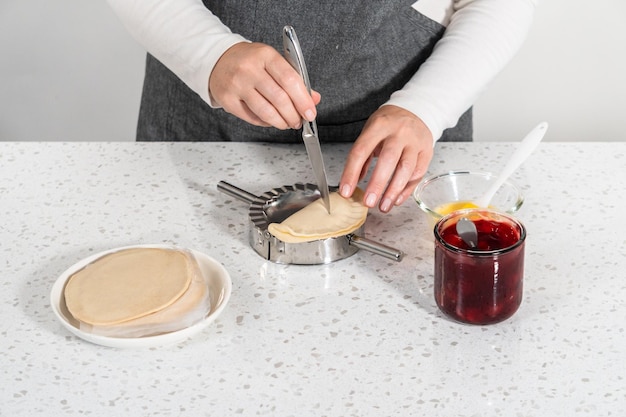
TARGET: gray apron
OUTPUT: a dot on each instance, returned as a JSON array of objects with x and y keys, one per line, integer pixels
[{"x": 357, "y": 54}]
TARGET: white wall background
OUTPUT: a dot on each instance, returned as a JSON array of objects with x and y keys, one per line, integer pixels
[{"x": 69, "y": 71}]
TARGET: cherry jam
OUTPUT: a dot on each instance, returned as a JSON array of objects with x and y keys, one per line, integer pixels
[{"x": 480, "y": 285}]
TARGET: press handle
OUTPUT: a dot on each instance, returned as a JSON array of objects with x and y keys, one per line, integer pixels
[
  {"x": 376, "y": 248},
  {"x": 236, "y": 192}
]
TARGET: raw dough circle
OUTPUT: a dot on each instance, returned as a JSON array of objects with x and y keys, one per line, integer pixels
[{"x": 128, "y": 284}]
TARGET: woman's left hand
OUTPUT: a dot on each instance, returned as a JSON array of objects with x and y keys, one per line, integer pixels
[{"x": 404, "y": 148}]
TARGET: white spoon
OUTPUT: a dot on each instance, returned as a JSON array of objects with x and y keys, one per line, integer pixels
[
  {"x": 466, "y": 229},
  {"x": 523, "y": 151}
]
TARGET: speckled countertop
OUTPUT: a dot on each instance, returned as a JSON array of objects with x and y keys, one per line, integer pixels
[{"x": 359, "y": 337}]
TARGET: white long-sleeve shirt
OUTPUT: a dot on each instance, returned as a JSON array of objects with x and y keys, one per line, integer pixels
[{"x": 481, "y": 37}]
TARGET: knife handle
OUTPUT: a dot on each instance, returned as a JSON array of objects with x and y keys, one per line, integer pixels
[{"x": 294, "y": 55}]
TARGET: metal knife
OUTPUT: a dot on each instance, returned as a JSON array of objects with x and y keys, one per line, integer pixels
[{"x": 293, "y": 54}]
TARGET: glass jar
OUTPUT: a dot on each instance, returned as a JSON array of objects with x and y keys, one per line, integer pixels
[{"x": 481, "y": 284}]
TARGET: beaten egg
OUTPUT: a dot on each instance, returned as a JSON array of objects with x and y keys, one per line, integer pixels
[{"x": 448, "y": 208}]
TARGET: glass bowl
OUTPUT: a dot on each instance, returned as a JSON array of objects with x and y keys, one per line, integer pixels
[{"x": 442, "y": 194}]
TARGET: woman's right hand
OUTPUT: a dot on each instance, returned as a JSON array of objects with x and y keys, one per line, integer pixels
[{"x": 256, "y": 83}]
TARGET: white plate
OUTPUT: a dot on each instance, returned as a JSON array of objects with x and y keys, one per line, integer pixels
[{"x": 220, "y": 287}]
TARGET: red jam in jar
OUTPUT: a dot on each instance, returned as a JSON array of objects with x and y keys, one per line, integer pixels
[{"x": 480, "y": 285}]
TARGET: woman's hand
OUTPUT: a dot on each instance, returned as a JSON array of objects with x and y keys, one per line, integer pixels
[
  {"x": 404, "y": 148},
  {"x": 256, "y": 83}
]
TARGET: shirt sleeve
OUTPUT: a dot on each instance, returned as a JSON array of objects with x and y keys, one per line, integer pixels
[
  {"x": 481, "y": 38},
  {"x": 189, "y": 40}
]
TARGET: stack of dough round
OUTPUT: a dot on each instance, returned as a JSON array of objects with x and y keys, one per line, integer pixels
[
  {"x": 137, "y": 292},
  {"x": 313, "y": 222}
]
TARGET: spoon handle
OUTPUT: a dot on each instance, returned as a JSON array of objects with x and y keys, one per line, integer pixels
[{"x": 523, "y": 151}]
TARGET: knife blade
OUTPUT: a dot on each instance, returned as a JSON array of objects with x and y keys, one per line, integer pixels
[{"x": 293, "y": 54}]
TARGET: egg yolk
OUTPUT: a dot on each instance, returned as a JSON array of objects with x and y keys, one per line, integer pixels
[{"x": 448, "y": 208}]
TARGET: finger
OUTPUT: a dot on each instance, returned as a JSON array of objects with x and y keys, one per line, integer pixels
[
  {"x": 423, "y": 161},
  {"x": 407, "y": 192},
  {"x": 366, "y": 167},
  {"x": 400, "y": 177},
  {"x": 258, "y": 102},
  {"x": 293, "y": 85},
  {"x": 317, "y": 97},
  {"x": 388, "y": 162},
  {"x": 253, "y": 108},
  {"x": 281, "y": 103},
  {"x": 357, "y": 164},
  {"x": 244, "y": 113}
]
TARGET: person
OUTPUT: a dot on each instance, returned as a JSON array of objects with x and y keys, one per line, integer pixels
[{"x": 391, "y": 76}]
